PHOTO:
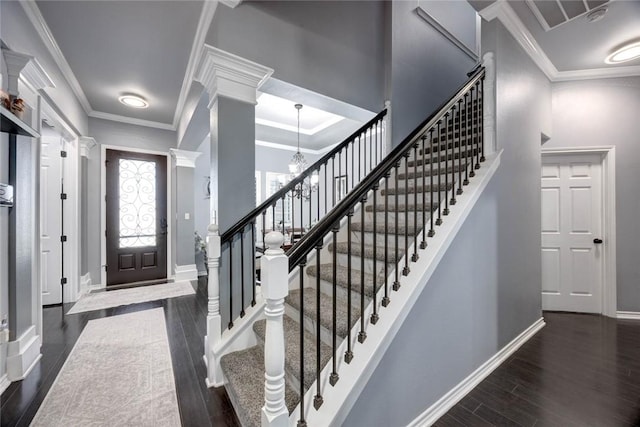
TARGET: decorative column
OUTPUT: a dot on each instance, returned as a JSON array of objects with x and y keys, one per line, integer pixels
[
  {"x": 489, "y": 103},
  {"x": 86, "y": 145},
  {"x": 25, "y": 303},
  {"x": 185, "y": 262},
  {"x": 214, "y": 321},
  {"x": 275, "y": 284},
  {"x": 232, "y": 82}
]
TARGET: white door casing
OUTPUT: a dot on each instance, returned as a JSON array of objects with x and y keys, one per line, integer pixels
[
  {"x": 572, "y": 217},
  {"x": 50, "y": 220}
]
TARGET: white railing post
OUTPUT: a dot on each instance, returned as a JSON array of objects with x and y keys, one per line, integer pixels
[
  {"x": 214, "y": 321},
  {"x": 275, "y": 287},
  {"x": 489, "y": 103}
]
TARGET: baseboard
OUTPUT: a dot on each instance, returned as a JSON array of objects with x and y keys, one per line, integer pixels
[
  {"x": 185, "y": 272},
  {"x": 85, "y": 284},
  {"x": 454, "y": 395},
  {"x": 628, "y": 315},
  {"x": 4, "y": 383},
  {"x": 202, "y": 273},
  {"x": 23, "y": 354}
]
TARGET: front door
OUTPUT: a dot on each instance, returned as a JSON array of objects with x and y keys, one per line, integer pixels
[
  {"x": 136, "y": 213},
  {"x": 572, "y": 255}
]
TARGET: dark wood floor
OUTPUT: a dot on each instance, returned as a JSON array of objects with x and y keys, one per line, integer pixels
[
  {"x": 186, "y": 327},
  {"x": 579, "y": 370}
]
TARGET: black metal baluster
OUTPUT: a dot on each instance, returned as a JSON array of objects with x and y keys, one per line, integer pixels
[
  {"x": 264, "y": 232},
  {"x": 333, "y": 176},
  {"x": 370, "y": 149},
  {"x": 231, "y": 282},
  {"x": 447, "y": 135},
  {"x": 439, "y": 220},
  {"x": 302, "y": 207},
  {"x": 376, "y": 158},
  {"x": 283, "y": 229},
  {"x": 396, "y": 283},
  {"x": 273, "y": 216},
  {"x": 253, "y": 262},
  {"x": 318, "y": 196},
  {"x": 303, "y": 264},
  {"x": 405, "y": 270},
  {"x": 311, "y": 197},
  {"x": 423, "y": 244},
  {"x": 480, "y": 120},
  {"x": 365, "y": 171},
  {"x": 242, "y": 304},
  {"x": 472, "y": 173},
  {"x": 353, "y": 156},
  {"x": 293, "y": 214},
  {"x": 317, "y": 400},
  {"x": 453, "y": 154},
  {"x": 415, "y": 256},
  {"x": 348, "y": 356},
  {"x": 359, "y": 157},
  {"x": 362, "y": 335},
  {"x": 432, "y": 232},
  {"x": 374, "y": 315},
  {"x": 326, "y": 188},
  {"x": 333, "y": 378},
  {"x": 385, "y": 299},
  {"x": 460, "y": 144},
  {"x": 340, "y": 171},
  {"x": 469, "y": 143}
]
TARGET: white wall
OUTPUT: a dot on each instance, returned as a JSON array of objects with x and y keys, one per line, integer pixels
[{"x": 606, "y": 112}]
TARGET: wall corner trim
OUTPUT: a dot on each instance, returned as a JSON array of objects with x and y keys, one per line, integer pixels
[
  {"x": 446, "y": 402},
  {"x": 183, "y": 158},
  {"x": 86, "y": 144},
  {"x": 225, "y": 74},
  {"x": 628, "y": 315}
]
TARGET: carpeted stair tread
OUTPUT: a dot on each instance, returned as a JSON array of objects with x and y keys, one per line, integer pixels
[
  {"x": 380, "y": 207},
  {"x": 412, "y": 189},
  {"x": 326, "y": 309},
  {"x": 244, "y": 371},
  {"x": 342, "y": 274},
  {"x": 427, "y": 172},
  {"x": 449, "y": 156},
  {"x": 292, "y": 349},
  {"x": 357, "y": 249},
  {"x": 391, "y": 227}
]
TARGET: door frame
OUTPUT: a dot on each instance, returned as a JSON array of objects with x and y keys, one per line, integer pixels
[
  {"x": 103, "y": 210},
  {"x": 609, "y": 285}
]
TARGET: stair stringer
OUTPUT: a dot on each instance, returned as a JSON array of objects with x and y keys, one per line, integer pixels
[{"x": 339, "y": 399}]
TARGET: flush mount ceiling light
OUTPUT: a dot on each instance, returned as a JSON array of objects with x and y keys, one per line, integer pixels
[
  {"x": 626, "y": 53},
  {"x": 134, "y": 101},
  {"x": 597, "y": 14}
]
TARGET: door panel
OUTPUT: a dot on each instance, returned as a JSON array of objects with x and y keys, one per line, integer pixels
[
  {"x": 571, "y": 220},
  {"x": 136, "y": 208},
  {"x": 50, "y": 220}
]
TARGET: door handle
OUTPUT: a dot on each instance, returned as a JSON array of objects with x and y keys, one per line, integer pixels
[{"x": 597, "y": 241}]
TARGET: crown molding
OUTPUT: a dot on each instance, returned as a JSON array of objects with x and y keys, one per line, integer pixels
[
  {"x": 208, "y": 11},
  {"x": 28, "y": 69},
  {"x": 37, "y": 20},
  {"x": 225, "y": 74},
  {"x": 184, "y": 158},
  {"x": 131, "y": 120},
  {"x": 231, "y": 3},
  {"x": 504, "y": 13},
  {"x": 86, "y": 144}
]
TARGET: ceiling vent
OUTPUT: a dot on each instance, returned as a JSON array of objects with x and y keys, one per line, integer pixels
[{"x": 553, "y": 13}]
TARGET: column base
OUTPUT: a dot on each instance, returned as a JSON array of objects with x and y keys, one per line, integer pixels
[{"x": 23, "y": 354}]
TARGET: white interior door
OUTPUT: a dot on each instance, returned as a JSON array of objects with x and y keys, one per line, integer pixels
[
  {"x": 572, "y": 252},
  {"x": 50, "y": 220}
]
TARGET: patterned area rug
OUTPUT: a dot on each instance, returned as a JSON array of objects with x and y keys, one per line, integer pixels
[
  {"x": 108, "y": 299},
  {"x": 118, "y": 374}
]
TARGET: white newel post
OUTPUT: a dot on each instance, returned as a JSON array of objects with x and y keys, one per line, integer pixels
[
  {"x": 275, "y": 287},
  {"x": 214, "y": 321},
  {"x": 489, "y": 103}
]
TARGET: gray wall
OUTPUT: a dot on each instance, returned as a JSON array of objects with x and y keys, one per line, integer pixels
[
  {"x": 330, "y": 47},
  {"x": 123, "y": 135},
  {"x": 183, "y": 207},
  {"x": 465, "y": 315},
  {"x": 605, "y": 112}
]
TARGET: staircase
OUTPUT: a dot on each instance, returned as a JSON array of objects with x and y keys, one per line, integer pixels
[{"x": 344, "y": 271}]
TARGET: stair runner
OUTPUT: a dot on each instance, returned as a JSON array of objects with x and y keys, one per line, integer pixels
[{"x": 244, "y": 370}]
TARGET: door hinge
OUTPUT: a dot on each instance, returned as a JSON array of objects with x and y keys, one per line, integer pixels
[
  {"x": 63, "y": 196},
  {"x": 63, "y": 281},
  {"x": 63, "y": 153},
  {"x": 63, "y": 238}
]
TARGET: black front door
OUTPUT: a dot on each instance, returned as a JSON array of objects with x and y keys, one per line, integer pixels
[{"x": 136, "y": 208}]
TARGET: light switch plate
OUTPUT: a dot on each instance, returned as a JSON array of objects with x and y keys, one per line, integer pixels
[{"x": 187, "y": 215}]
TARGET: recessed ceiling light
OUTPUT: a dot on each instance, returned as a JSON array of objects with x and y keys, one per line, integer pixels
[
  {"x": 134, "y": 101},
  {"x": 626, "y": 53}
]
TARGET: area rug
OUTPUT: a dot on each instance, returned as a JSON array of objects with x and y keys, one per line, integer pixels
[
  {"x": 118, "y": 374},
  {"x": 108, "y": 299}
]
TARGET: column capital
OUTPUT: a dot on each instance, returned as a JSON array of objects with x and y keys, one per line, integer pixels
[
  {"x": 185, "y": 159},
  {"x": 86, "y": 144},
  {"x": 225, "y": 74},
  {"x": 32, "y": 72}
]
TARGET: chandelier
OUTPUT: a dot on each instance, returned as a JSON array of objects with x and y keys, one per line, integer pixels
[{"x": 297, "y": 165}]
